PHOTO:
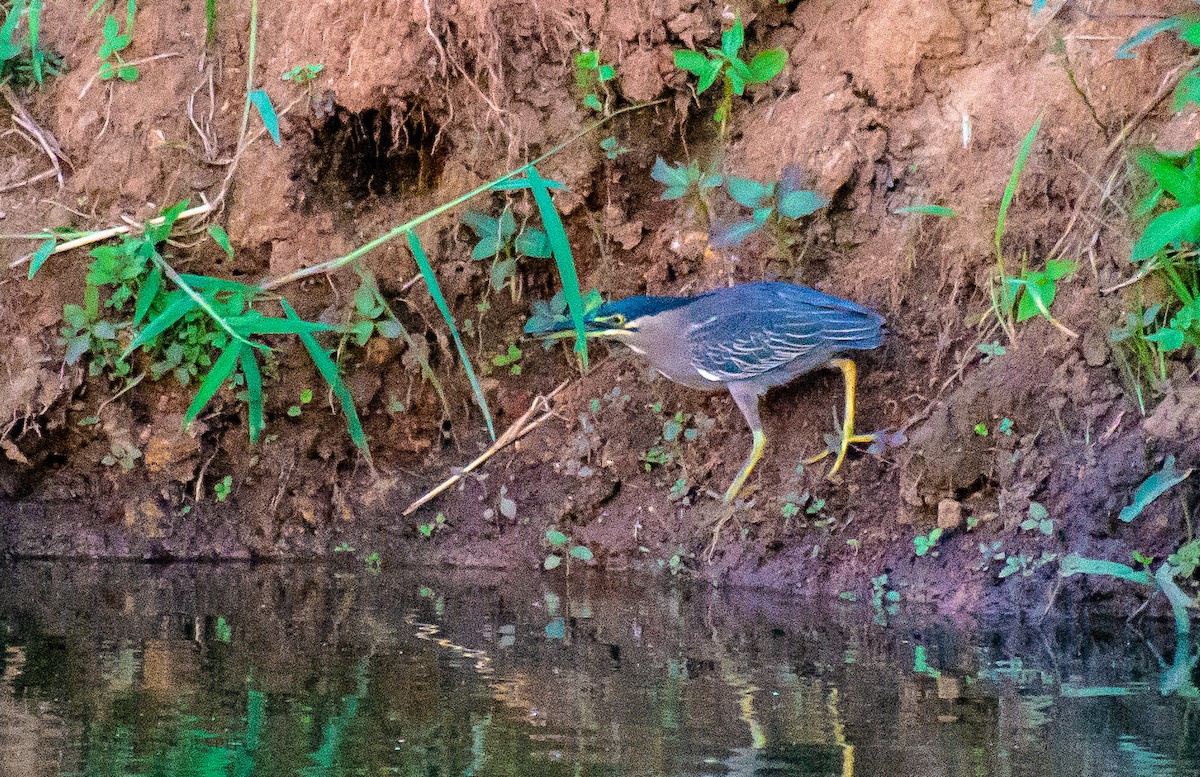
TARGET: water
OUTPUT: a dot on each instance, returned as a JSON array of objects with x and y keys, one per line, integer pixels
[{"x": 236, "y": 670}]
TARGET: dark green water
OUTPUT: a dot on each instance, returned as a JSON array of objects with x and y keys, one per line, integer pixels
[{"x": 201, "y": 670}]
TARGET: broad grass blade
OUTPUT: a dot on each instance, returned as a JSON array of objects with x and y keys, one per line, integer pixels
[{"x": 560, "y": 247}]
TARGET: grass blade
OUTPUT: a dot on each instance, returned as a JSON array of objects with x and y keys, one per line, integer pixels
[
  {"x": 175, "y": 310},
  {"x": 435, "y": 291},
  {"x": 1153, "y": 487},
  {"x": 1011, "y": 189},
  {"x": 220, "y": 372},
  {"x": 40, "y": 256},
  {"x": 255, "y": 324},
  {"x": 266, "y": 110},
  {"x": 147, "y": 294},
  {"x": 927, "y": 210},
  {"x": 560, "y": 247},
  {"x": 254, "y": 395},
  {"x": 329, "y": 372}
]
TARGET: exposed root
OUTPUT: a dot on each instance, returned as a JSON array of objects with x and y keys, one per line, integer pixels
[{"x": 45, "y": 140}]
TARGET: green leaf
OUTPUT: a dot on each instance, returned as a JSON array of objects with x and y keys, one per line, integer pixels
[
  {"x": 587, "y": 60},
  {"x": 709, "y": 76},
  {"x": 581, "y": 553},
  {"x": 40, "y": 256},
  {"x": 1187, "y": 92},
  {"x": 606, "y": 73},
  {"x": 218, "y": 234},
  {"x": 801, "y": 203},
  {"x": 107, "y": 71},
  {"x": 255, "y": 323},
  {"x": 732, "y": 235},
  {"x": 147, "y": 294},
  {"x": 435, "y": 291},
  {"x": 111, "y": 27},
  {"x": 389, "y": 328},
  {"x": 552, "y": 562},
  {"x": 733, "y": 38},
  {"x": 1169, "y": 177},
  {"x": 1011, "y": 189},
  {"x": 260, "y": 100},
  {"x": 560, "y": 248},
  {"x": 766, "y": 65},
  {"x": 1168, "y": 338},
  {"x": 927, "y": 210},
  {"x": 1145, "y": 35},
  {"x": 534, "y": 243},
  {"x": 1178, "y": 225},
  {"x": 746, "y": 192},
  {"x": 127, "y": 73},
  {"x": 254, "y": 395},
  {"x": 1152, "y": 488},
  {"x": 671, "y": 176},
  {"x": 212, "y": 383},
  {"x": 556, "y": 538},
  {"x": 329, "y": 372},
  {"x": 1074, "y": 564},
  {"x": 179, "y": 306},
  {"x": 593, "y": 102},
  {"x": 692, "y": 61}
]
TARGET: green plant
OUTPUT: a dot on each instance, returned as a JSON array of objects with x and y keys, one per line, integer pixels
[
  {"x": 991, "y": 350},
  {"x": 689, "y": 182},
  {"x": 981, "y": 429},
  {"x": 23, "y": 61},
  {"x": 205, "y": 325},
  {"x": 500, "y": 239},
  {"x": 1153, "y": 487},
  {"x": 591, "y": 75},
  {"x": 302, "y": 74},
  {"x": 306, "y": 396},
  {"x": 1138, "y": 352},
  {"x": 427, "y": 529},
  {"x": 223, "y": 488},
  {"x": 926, "y": 543},
  {"x": 373, "y": 562},
  {"x": 1038, "y": 520},
  {"x": 112, "y": 64},
  {"x": 612, "y": 148},
  {"x": 770, "y": 204},
  {"x": 561, "y": 546},
  {"x": 1187, "y": 27},
  {"x": 1032, "y": 292},
  {"x": 548, "y": 316},
  {"x": 927, "y": 210},
  {"x": 344, "y": 547},
  {"x": 510, "y": 359},
  {"x": 885, "y": 601},
  {"x": 123, "y": 453},
  {"x": 725, "y": 63}
]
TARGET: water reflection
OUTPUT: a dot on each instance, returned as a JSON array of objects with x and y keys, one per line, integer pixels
[{"x": 203, "y": 670}]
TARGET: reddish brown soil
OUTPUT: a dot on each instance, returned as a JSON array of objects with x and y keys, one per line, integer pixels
[{"x": 420, "y": 103}]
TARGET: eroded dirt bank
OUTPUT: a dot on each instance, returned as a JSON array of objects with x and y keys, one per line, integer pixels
[{"x": 882, "y": 105}]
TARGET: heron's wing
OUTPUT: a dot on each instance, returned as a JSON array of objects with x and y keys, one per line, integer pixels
[{"x": 741, "y": 345}]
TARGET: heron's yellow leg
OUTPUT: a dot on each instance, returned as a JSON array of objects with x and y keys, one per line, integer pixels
[
  {"x": 760, "y": 441},
  {"x": 850, "y": 376}
]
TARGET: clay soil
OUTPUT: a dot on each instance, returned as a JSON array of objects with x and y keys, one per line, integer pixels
[{"x": 883, "y": 104}]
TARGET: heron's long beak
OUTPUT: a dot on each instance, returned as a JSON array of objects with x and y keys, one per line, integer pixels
[{"x": 596, "y": 328}]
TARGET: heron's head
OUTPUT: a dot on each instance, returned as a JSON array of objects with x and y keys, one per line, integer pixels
[{"x": 616, "y": 319}]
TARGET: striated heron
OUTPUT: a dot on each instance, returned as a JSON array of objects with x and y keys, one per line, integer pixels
[{"x": 747, "y": 339}]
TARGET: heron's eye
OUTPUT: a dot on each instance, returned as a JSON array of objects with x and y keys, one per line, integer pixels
[{"x": 619, "y": 320}]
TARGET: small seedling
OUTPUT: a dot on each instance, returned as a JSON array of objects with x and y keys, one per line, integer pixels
[
  {"x": 990, "y": 553},
  {"x": 928, "y": 542},
  {"x": 223, "y": 488},
  {"x": 611, "y": 148},
  {"x": 344, "y": 547},
  {"x": 500, "y": 239},
  {"x": 562, "y": 547},
  {"x": 1038, "y": 520},
  {"x": 689, "y": 182},
  {"x": 1033, "y": 293},
  {"x": 991, "y": 350},
  {"x": 125, "y": 454},
  {"x": 549, "y": 316},
  {"x": 981, "y": 429},
  {"x": 591, "y": 76},
  {"x": 427, "y": 529},
  {"x": 510, "y": 359},
  {"x": 373, "y": 562},
  {"x": 1005, "y": 427},
  {"x": 302, "y": 74},
  {"x": 927, "y": 210},
  {"x": 306, "y": 396},
  {"x": 114, "y": 43},
  {"x": 769, "y": 204},
  {"x": 726, "y": 64},
  {"x": 885, "y": 601}
]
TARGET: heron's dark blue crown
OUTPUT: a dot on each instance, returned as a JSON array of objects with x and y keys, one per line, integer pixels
[{"x": 636, "y": 307}]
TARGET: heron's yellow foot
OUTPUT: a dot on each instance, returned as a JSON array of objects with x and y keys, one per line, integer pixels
[
  {"x": 760, "y": 441},
  {"x": 850, "y": 377}
]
